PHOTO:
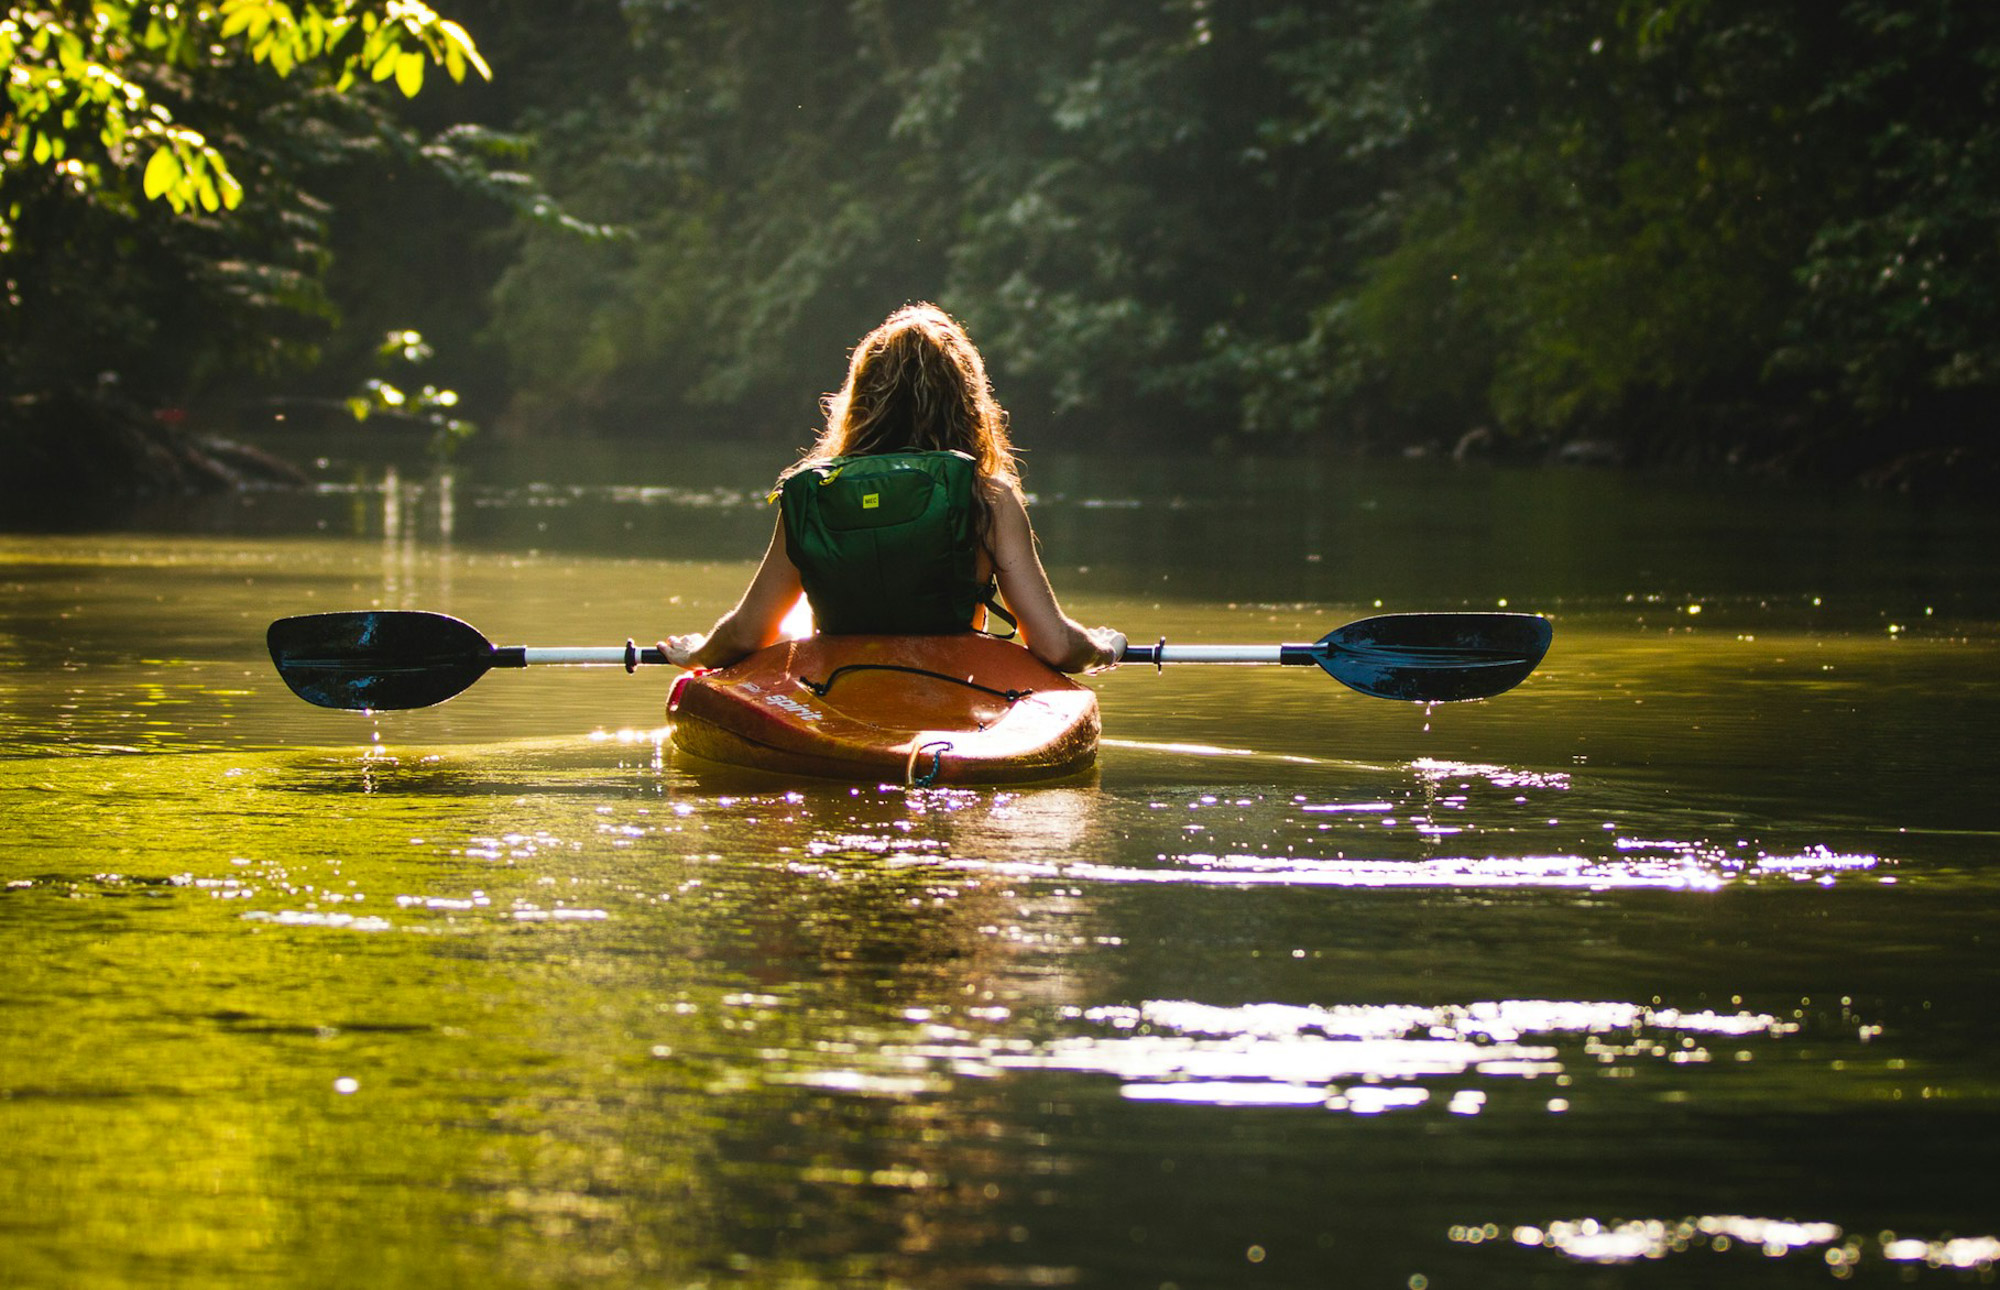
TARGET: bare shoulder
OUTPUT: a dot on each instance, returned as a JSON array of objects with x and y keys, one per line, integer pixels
[{"x": 1001, "y": 490}]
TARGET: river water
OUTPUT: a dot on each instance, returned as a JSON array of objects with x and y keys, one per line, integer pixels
[{"x": 1676, "y": 965}]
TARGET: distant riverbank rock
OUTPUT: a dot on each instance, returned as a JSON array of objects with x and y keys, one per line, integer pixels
[
  {"x": 1590, "y": 452},
  {"x": 1937, "y": 472},
  {"x": 64, "y": 455}
]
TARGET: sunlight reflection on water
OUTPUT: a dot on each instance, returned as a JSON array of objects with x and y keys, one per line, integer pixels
[
  {"x": 1364, "y": 1060},
  {"x": 1697, "y": 867},
  {"x": 1439, "y": 816},
  {"x": 1616, "y": 1241}
]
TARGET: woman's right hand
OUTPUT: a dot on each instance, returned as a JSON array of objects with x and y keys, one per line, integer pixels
[{"x": 680, "y": 650}]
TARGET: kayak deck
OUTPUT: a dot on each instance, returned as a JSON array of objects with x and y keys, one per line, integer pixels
[{"x": 961, "y": 709}]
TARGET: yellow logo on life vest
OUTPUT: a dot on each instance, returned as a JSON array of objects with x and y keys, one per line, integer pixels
[{"x": 871, "y": 501}]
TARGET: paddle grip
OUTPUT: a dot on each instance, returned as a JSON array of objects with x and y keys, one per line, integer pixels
[{"x": 634, "y": 656}]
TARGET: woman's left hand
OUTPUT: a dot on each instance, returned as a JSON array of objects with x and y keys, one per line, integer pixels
[{"x": 1110, "y": 644}]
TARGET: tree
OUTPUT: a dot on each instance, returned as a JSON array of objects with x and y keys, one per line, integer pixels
[
  {"x": 161, "y": 232},
  {"x": 1067, "y": 177},
  {"x": 1693, "y": 231},
  {"x": 92, "y": 88},
  {"x": 1689, "y": 230}
]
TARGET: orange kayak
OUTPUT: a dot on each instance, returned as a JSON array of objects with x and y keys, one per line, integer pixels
[{"x": 966, "y": 709}]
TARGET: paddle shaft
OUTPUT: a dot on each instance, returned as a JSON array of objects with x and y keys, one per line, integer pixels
[
  {"x": 615, "y": 656},
  {"x": 626, "y": 656},
  {"x": 1164, "y": 653},
  {"x": 1289, "y": 654}
]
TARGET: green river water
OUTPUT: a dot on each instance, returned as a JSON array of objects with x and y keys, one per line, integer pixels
[{"x": 1675, "y": 966}]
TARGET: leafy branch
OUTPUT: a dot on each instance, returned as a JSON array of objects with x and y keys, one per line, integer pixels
[
  {"x": 429, "y": 405},
  {"x": 90, "y": 87}
]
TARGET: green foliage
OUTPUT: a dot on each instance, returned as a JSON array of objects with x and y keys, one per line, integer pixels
[
  {"x": 91, "y": 89},
  {"x": 1899, "y": 283},
  {"x": 176, "y": 235},
  {"x": 1691, "y": 229},
  {"x": 788, "y": 178},
  {"x": 428, "y": 406},
  {"x": 1613, "y": 249},
  {"x": 1686, "y": 227}
]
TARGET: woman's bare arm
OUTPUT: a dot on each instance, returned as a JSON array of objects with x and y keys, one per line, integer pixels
[
  {"x": 1049, "y": 633},
  {"x": 755, "y": 621}
]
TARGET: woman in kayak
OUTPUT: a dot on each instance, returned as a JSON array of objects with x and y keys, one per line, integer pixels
[{"x": 907, "y": 515}]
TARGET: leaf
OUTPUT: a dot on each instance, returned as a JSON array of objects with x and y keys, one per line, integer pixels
[
  {"x": 385, "y": 66},
  {"x": 163, "y": 173},
  {"x": 457, "y": 38},
  {"x": 410, "y": 74},
  {"x": 336, "y": 31},
  {"x": 311, "y": 33}
]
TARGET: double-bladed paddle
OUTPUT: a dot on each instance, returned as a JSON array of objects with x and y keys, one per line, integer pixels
[{"x": 382, "y": 659}]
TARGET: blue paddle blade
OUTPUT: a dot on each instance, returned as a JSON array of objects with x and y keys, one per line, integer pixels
[
  {"x": 377, "y": 660},
  {"x": 1435, "y": 658}
]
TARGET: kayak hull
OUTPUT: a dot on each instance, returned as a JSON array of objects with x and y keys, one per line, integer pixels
[{"x": 961, "y": 709}]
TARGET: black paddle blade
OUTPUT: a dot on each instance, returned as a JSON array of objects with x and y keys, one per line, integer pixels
[
  {"x": 375, "y": 660},
  {"x": 1435, "y": 658}
]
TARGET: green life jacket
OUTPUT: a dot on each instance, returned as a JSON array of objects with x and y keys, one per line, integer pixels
[{"x": 887, "y": 542}]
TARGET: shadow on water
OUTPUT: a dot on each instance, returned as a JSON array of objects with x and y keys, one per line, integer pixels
[{"x": 1673, "y": 964}]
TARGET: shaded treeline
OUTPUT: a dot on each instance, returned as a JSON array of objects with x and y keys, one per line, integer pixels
[{"x": 1757, "y": 233}]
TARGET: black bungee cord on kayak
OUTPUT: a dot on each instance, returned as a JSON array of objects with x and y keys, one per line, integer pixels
[{"x": 820, "y": 688}]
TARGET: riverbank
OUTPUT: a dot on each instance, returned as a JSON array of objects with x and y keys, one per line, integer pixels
[
  {"x": 70, "y": 458},
  {"x": 82, "y": 460}
]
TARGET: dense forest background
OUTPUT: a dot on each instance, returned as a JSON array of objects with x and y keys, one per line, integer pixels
[{"x": 1759, "y": 234}]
